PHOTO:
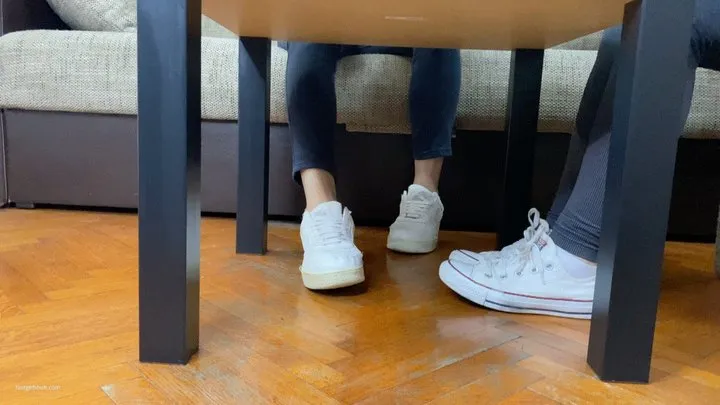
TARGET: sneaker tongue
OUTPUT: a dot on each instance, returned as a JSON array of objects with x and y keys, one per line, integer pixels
[
  {"x": 328, "y": 209},
  {"x": 419, "y": 193},
  {"x": 543, "y": 241}
]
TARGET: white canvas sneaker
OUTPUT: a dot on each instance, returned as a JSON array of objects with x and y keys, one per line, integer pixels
[
  {"x": 331, "y": 259},
  {"x": 416, "y": 228},
  {"x": 526, "y": 277}
]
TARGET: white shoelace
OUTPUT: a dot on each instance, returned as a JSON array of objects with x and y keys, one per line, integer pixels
[
  {"x": 519, "y": 252},
  {"x": 538, "y": 227},
  {"x": 414, "y": 209},
  {"x": 329, "y": 232}
]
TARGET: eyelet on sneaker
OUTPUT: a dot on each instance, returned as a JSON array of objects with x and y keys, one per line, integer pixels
[
  {"x": 534, "y": 270},
  {"x": 519, "y": 273},
  {"x": 549, "y": 266},
  {"x": 488, "y": 275}
]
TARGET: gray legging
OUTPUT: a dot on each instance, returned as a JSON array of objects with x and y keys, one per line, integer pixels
[{"x": 576, "y": 213}]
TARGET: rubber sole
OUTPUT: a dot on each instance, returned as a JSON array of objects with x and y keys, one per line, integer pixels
[
  {"x": 506, "y": 302},
  {"x": 411, "y": 246},
  {"x": 334, "y": 280}
]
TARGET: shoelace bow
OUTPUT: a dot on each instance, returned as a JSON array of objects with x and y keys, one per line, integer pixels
[{"x": 521, "y": 251}]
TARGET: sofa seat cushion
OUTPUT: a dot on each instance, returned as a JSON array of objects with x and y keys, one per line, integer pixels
[
  {"x": 95, "y": 72},
  {"x": 116, "y": 16},
  {"x": 590, "y": 42},
  {"x": 97, "y": 15}
]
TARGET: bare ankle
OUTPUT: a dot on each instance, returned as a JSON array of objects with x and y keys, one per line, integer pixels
[
  {"x": 312, "y": 204},
  {"x": 427, "y": 173},
  {"x": 427, "y": 183},
  {"x": 319, "y": 187}
]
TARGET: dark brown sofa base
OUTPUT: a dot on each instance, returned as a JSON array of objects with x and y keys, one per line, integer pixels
[{"x": 90, "y": 161}]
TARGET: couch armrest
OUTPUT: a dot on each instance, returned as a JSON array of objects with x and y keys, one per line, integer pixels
[{"x": 20, "y": 15}]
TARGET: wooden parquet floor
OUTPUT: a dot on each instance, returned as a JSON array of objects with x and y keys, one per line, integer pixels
[{"x": 69, "y": 328}]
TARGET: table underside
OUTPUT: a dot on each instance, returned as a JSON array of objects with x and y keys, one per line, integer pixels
[{"x": 466, "y": 24}]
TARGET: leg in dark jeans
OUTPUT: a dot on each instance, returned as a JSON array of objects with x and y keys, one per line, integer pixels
[
  {"x": 331, "y": 259},
  {"x": 312, "y": 106},
  {"x": 311, "y": 103},
  {"x": 434, "y": 94}
]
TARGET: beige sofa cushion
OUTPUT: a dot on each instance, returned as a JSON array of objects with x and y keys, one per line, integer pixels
[
  {"x": 212, "y": 29},
  {"x": 96, "y": 72},
  {"x": 97, "y": 15},
  {"x": 589, "y": 42},
  {"x": 116, "y": 16}
]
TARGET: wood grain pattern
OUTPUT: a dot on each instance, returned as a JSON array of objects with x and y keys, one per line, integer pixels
[
  {"x": 68, "y": 327},
  {"x": 468, "y": 24}
]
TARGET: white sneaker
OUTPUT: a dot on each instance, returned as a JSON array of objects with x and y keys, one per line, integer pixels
[
  {"x": 526, "y": 277},
  {"x": 331, "y": 259},
  {"x": 416, "y": 229}
]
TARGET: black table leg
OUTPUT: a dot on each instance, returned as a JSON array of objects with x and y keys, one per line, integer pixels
[
  {"x": 169, "y": 159},
  {"x": 521, "y": 122},
  {"x": 254, "y": 134},
  {"x": 647, "y": 123}
]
